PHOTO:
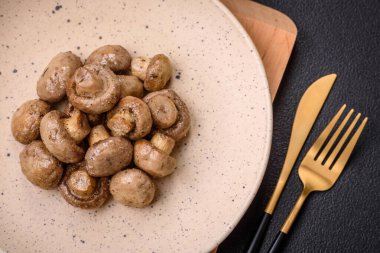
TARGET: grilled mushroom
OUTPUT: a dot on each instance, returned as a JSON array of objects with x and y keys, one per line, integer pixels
[
  {"x": 57, "y": 140},
  {"x": 163, "y": 113},
  {"x": 115, "y": 57},
  {"x": 154, "y": 156},
  {"x": 93, "y": 89},
  {"x": 106, "y": 157},
  {"x": 130, "y": 86},
  {"x": 98, "y": 133},
  {"x": 39, "y": 166},
  {"x": 76, "y": 124},
  {"x": 26, "y": 120},
  {"x": 155, "y": 72},
  {"x": 80, "y": 189},
  {"x": 51, "y": 85},
  {"x": 95, "y": 119},
  {"x": 130, "y": 118},
  {"x": 132, "y": 187}
]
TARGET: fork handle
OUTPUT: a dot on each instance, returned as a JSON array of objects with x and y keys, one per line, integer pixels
[
  {"x": 258, "y": 238},
  {"x": 289, "y": 221}
]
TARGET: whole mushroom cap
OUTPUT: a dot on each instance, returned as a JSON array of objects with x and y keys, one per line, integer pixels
[
  {"x": 132, "y": 187},
  {"x": 130, "y": 86},
  {"x": 153, "y": 161},
  {"x": 26, "y": 120},
  {"x": 108, "y": 156},
  {"x": 182, "y": 125},
  {"x": 158, "y": 73},
  {"x": 79, "y": 189},
  {"x": 93, "y": 89},
  {"x": 115, "y": 57},
  {"x": 130, "y": 118},
  {"x": 51, "y": 86},
  {"x": 39, "y": 166},
  {"x": 57, "y": 140}
]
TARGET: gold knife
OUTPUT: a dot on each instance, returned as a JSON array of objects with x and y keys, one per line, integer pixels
[{"x": 307, "y": 112}]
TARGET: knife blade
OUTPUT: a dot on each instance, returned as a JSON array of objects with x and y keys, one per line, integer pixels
[{"x": 307, "y": 112}]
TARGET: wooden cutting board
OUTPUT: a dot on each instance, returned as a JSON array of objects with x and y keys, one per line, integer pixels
[{"x": 273, "y": 33}]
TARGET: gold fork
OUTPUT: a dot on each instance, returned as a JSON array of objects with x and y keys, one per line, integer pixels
[{"x": 322, "y": 166}]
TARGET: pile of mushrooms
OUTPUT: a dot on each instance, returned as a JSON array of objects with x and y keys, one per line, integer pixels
[{"x": 103, "y": 128}]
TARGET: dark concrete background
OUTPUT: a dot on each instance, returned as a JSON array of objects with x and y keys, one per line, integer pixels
[{"x": 340, "y": 37}]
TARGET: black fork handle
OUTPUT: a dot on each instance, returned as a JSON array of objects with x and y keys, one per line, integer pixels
[{"x": 258, "y": 238}]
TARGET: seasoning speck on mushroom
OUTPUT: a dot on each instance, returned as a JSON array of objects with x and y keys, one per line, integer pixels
[
  {"x": 80, "y": 189},
  {"x": 130, "y": 118},
  {"x": 106, "y": 157},
  {"x": 132, "y": 187},
  {"x": 163, "y": 113},
  {"x": 115, "y": 57},
  {"x": 94, "y": 89},
  {"x": 155, "y": 72},
  {"x": 39, "y": 166},
  {"x": 57, "y": 140},
  {"x": 154, "y": 156},
  {"x": 26, "y": 120},
  {"x": 51, "y": 86}
]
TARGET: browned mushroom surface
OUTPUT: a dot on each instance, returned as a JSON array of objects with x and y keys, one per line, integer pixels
[
  {"x": 155, "y": 72},
  {"x": 39, "y": 166},
  {"x": 164, "y": 111},
  {"x": 130, "y": 118},
  {"x": 182, "y": 125},
  {"x": 152, "y": 160},
  {"x": 80, "y": 189},
  {"x": 57, "y": 140},
  {"x": 115, "y": 57},
  {"x": 76, "y": 123},
  {"x": 26, "y": 120},
  {"x": 139, "y": 65},
  {"x": 108, "y": 156},
  {"x": 158, "y": 73},
  {"x": 130, "y": 86},
  {"x": 98, "y": 133},
  {"x": 132, "y": 187},
  {"x": 51, "y": 86},
  {"x": 93, "y": 89}
]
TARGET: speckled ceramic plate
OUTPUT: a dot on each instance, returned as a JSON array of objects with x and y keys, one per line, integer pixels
[{"x": 219, "y": 75}]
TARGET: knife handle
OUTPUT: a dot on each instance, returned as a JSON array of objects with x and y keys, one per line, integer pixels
[
  {"x": 275, "y": 248},
  {"x": 258, "y": 238}
]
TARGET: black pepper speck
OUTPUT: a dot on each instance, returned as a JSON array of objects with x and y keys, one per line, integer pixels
[
  {"x": 146, "y": 27},
  {"x": 14, "y": 71},
  {"x": 68, "y": 21},
  {"x": 100, "y": 37},
  {"x": 82, "y": 241},
  {"x": 58, "y": 7},
  {"x": 8, "y": 154}
]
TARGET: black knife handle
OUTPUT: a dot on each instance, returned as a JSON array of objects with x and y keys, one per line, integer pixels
[
  {"x": 258, "y": 238},
  {"x": 275, "y": 248}
]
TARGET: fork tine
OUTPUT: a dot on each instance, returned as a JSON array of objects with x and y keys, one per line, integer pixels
[
  {"x": 343, "y": 158},
  {"x": 323, "y": 136},
  {"x": 336, "y": 150},
  {"x": 332, "y": 140}
]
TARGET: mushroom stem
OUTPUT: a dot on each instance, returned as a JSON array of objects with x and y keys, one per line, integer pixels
[
  {"x": 88, "y": 83},
  {"x": 121, "y": 123},
  {"x": 76, "y": 124},
  {"x": 139, "y": 66},
  {"x": 163, "y": 142},
  {"x": 98, "y": 133}
]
